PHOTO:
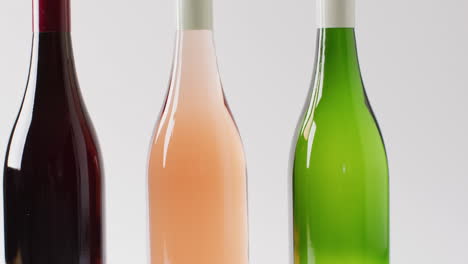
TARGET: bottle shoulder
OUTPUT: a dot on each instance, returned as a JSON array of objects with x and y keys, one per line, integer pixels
[
  {"x": 193, "y": 124},
  {"x": 191, "y": 134},
  {"x": 335, "y": 114},
  {"x": 339, "y": 132},
  {"x": 52, "y": 134}
]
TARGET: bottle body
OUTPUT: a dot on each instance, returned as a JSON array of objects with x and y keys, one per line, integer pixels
[
  {"x": 53, "y": 182},
  {"x": 197, "y": 171},
  {"x": 340, "y": 171}
]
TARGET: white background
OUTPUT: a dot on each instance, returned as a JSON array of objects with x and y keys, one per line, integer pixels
[{"x": 414, "y": 57}]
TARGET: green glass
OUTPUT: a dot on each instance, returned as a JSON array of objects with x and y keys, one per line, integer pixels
[{"x": 340, "y": 170}]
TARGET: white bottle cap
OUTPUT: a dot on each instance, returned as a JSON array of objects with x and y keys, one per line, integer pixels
[
  {"x": 336, "y": 13},
  {"x": 195, "y": 14}
]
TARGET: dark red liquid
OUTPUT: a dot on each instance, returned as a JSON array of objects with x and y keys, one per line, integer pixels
[{"x": 53, "y": 182}]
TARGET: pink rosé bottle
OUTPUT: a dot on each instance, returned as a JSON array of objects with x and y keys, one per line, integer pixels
[{"x": 197, "y": 170}]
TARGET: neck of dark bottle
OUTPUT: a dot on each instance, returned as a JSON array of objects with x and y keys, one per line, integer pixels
[
  {"x": 337, "y": 69},
  {"x": 52, "y": 71},
  {"x": 52, "y": 83},
  {"x": 51, "y": 15},
  {"x": 52, "y": 51}
]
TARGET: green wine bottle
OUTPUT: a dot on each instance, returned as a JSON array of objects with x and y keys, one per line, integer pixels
[{"x": 340, "y": 170}]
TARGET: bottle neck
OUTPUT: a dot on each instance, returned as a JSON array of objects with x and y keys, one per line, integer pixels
[
  {"x": 337, "y": 69},
  {"x": 195, "y": 76},
  {"x": 51, "y": 15},
  {"x": 52, "y": 68},
  {"x": 195, "y": 14}
]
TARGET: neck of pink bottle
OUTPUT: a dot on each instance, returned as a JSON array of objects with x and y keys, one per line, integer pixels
[
  {"x": 195, "y": 58},
  {"x": 195, "y": 47},
  {"x": 51, "y": 16},
  {"x": 195, "y": 72}
]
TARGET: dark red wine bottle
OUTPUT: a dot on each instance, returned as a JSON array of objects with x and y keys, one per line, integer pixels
[{"x": 53, "y": 179}]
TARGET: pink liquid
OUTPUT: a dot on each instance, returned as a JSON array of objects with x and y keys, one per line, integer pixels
[{"x": 197, "y": 171}]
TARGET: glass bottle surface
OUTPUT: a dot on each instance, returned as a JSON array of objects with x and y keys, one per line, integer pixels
[
  {"x": 197, "y": 169},
  {"x": 340, "y": 174},
  {"x": 53, "y": 179}
]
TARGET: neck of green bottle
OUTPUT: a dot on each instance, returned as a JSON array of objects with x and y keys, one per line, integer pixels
[{"x": 337, "y": 70}]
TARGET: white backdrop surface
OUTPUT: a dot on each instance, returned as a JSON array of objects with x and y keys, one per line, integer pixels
[{"x": 414, "y": 59}]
